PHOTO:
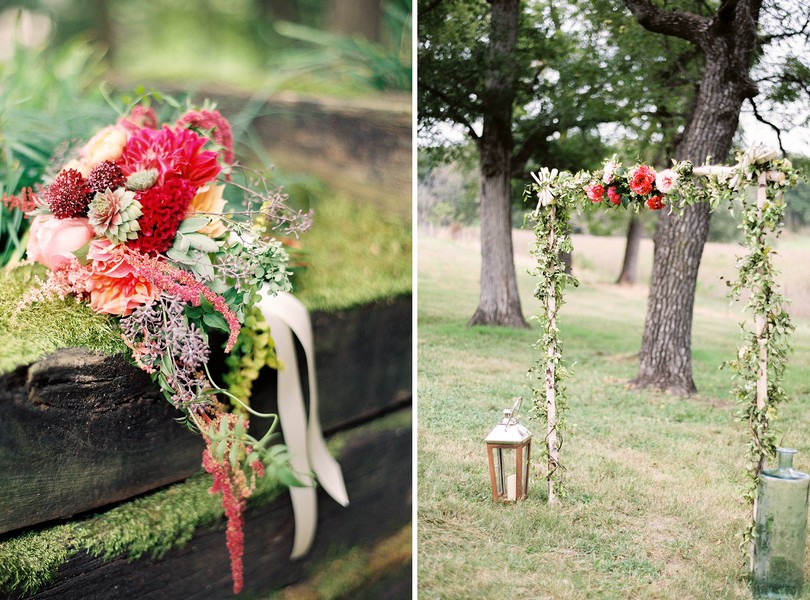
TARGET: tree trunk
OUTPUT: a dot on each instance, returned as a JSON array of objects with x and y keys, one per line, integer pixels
[
  {"x": 629, "y": 273},
  {"x": 499, "y": 303},
  {"x": 727, "y": 41}
]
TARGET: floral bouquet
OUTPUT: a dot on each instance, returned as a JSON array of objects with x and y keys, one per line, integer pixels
[
  {"x": 135, "y": 224},
  {"x": 637, "y": 186}
]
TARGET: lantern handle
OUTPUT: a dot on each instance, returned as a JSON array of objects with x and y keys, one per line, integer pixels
[{"x": 515, "y": 410}]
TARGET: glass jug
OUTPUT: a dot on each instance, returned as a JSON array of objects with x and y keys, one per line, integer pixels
[{"x": 780, "y": 528}]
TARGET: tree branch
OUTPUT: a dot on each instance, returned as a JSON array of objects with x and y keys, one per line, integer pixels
[
  {"x": 452, "y": 115},
  {"x": 762, "y": 119},
  {"x": 535, "y": 139},
  {"x": 675, "y": 23}
]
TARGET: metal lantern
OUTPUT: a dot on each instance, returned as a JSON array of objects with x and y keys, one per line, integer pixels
[{"x": 508, "y": 449}]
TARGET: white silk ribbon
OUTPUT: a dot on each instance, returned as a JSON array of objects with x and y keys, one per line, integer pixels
[{"x": 286, "y": 315}]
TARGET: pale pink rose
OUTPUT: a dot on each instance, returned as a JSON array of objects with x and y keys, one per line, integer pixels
[
  {"x": 113, "y": 286},
  {"x": 53, "y": 241},
  {"x": 607, "y": 175},
  {"x": 107, "y": 144},
  {"x": 666, "y": 181}
]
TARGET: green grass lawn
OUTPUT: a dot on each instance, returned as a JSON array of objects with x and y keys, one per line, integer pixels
[{"x": 655, "y": 482}]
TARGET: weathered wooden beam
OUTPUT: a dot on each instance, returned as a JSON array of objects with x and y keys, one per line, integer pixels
[
  {"x": 79, "y": 431},
  {"x": 377, "y": 470}
]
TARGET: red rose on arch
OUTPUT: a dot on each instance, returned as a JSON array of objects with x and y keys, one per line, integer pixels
[
  {"x": 655, "y": 203},
  {"x": 642, "y": 180},
  {"x": 614, "y": 196},
  {"x": 595, "y": 192}
]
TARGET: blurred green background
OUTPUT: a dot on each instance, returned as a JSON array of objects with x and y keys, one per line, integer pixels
[
  {"x": 350, "y": 60},
  {"x": 339, "y": 47}
]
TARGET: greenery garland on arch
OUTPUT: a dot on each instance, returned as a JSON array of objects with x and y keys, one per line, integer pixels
[{"x": 760, "y": 363}]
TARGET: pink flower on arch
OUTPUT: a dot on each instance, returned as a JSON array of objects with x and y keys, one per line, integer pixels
[
  {"x": 595, "y": 192},
  {"x": 614, "y": 196},
  {"x": 666, "y": 181},
  {"x": 655, "y": 203}
]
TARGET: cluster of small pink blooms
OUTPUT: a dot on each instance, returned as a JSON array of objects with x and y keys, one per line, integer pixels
[
  {"x": 26, "y": 201},
  {"x": 139, "y": 117},
  {"x": 232, "y": 484},
  {"x": 66, "y": 279},
  {"x": 177, "y": 282},
  {"x": 216, "y": 124},
  {"x": 68, "y": 195}
]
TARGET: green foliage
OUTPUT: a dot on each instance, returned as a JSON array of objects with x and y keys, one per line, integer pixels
[
  {"x": 552, "y": 230},
  {"x": 379, "y": 66},
  {"x": 767, "y": 343},
  {"x": 46, "y": 103}
]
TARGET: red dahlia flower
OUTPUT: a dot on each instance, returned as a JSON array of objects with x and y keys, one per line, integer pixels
[
  {"x": 175, "y": 153},
  {"x": 642, "y": 180}
]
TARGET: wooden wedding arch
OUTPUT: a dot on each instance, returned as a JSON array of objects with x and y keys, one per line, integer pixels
[{"x": 760, "y": 362}]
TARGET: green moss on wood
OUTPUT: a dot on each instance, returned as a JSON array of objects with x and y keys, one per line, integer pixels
[
  {"x": 357, "y": 255},
  {"x": 43, "y": 327},
  {"x": 148, "y": 526}
]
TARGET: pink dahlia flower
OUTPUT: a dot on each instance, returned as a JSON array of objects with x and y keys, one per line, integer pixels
[{"x": 175, "y": 153}]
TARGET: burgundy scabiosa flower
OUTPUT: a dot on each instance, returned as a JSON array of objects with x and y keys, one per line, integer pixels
[
  {"x": 69, "y": 195},
  {"x": 105, "y": 175}
]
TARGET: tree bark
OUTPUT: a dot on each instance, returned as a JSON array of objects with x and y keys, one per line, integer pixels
[
  {"x": 499, "y": 302},
  {"x": 629, "y": 272},
  {"x": 727, "y": 42}
]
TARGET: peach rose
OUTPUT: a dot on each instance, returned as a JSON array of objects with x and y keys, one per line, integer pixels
[
  {"x": 107, "y": 144},
  {"x": 113, "y": 286},
  {"x": 53, "y": 241},
  {"x": 209, "y": 200}
]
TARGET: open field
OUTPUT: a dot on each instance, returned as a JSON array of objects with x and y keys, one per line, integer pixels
[{"x": 654, "y": 482}]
